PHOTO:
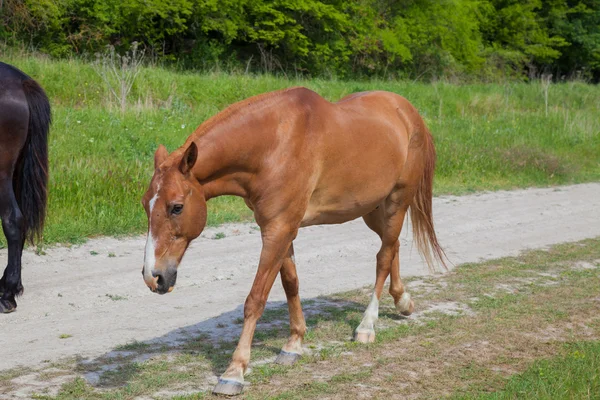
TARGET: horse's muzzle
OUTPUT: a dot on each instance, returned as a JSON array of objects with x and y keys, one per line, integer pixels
[{"x": 162, "y": 282}]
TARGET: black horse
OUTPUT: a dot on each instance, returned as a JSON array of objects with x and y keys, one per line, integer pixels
[{"x": 24, "y": 123}]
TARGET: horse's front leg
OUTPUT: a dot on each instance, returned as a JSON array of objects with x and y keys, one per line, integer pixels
[{"x": 276, "y": 239}]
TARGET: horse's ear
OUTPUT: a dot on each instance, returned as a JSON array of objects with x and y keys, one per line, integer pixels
[
  {"x": 160, "y": 155},
  {"x": 189, "y": 159}
]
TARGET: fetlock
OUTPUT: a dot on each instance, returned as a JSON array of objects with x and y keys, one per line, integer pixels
[
  {"x": 7, "y": 305},
  {"x": 405, "y": 305}
]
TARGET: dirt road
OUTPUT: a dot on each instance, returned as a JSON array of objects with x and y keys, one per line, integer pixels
[{"x": 94, "y": 298}]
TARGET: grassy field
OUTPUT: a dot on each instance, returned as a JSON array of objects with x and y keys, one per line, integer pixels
[
  {"x": 523, "y": 327},
  {"x": 488, "y": 137}
]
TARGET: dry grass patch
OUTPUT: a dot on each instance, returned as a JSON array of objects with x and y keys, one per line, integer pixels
[
  {"x": 517, "y": 317},
  {"x": 473, "y": 329}
]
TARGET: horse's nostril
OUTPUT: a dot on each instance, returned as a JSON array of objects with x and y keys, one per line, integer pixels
[{"x": 159, "y": 278}]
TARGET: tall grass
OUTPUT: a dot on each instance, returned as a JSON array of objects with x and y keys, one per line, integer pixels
[{"x": 488, "y": 137}]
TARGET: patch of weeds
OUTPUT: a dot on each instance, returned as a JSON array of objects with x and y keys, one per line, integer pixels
[
  {"x": 573, "y": 375},
  {"x": 353, "y": 295},
  {"x": 121, "y": 375},
  {"x": 39, "y": 250},
  {"x": 64, "y": 336},
  {"x": 265, "y": 351},
  {"x": 521, "y": 157},
  {"x": 219, "y": 235},
  {"x": 115, "y": 297},
  {"x": 78, "y": 388},
  {"x": 94, "y": 253},
  {"x": 495, "y": 302},
  {"x": 194, "y": 396},
  {"x": 262, "y": 373},
  {"x": 274, "y": 314},
  {"x": 133, "y": 346},
  {"x": 111, "y": 255},
  {"x": 351, "y": 376},
  {"x": 48, "y": 375},
  {"x": 315, "y": 389},
  {"x": 586, "y": 273},
  {"x": 218, "y": 354},
  {"x": 263, "y": 334},
  {"x": 403, "y": 330},
  {"x": 8, "y": 375},
  {"x": 327, "y": 353}
]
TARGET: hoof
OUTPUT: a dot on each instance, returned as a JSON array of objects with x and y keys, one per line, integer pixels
[
  {"x": 228, "y": 388},
  {"x": 6, "y": 306},
  {"x": 287, "y": 358},
  {"x": 405, "y": 305},
  {"x": 364, "y": 336}
]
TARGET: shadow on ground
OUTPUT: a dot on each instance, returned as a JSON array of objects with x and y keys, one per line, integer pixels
[{"x": 214, "y": 340}]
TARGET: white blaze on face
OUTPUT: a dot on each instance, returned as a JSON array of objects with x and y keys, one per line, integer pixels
[{"x": 150, "y": 257}]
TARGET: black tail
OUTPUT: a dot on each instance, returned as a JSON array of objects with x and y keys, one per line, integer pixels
[{"x": 30, "y": 180}]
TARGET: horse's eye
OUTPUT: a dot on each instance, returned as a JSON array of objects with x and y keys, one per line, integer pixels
[{"x": 177, "y": 209}]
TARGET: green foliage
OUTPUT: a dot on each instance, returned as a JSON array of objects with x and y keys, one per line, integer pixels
[
  {"x": 578, "y": 22},
  {"x": 516, "y": 25},
  {"x": 423, "y": 39}
]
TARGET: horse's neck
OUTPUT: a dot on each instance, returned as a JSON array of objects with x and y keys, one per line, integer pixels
[{"x": 226, "y": 162}]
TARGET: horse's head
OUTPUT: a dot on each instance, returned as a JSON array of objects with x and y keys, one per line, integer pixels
[{"x": 176, "y": 210}]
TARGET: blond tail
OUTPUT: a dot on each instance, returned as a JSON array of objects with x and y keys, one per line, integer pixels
[{"x": 421, "y": 211}]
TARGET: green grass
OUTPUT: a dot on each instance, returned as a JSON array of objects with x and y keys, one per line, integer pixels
[
  {"x": 488, "y": 136},
  {"x": 574, "y": 375}
]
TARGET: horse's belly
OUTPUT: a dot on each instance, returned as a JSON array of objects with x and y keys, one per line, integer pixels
[{"x": 340, "y": 209}]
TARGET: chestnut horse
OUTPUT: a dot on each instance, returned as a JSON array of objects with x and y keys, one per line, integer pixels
[
  {"x": 297, "y": 160},
  {"x": 24, "y": 124}
]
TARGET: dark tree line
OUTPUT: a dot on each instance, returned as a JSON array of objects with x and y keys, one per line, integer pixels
[{"x": 417, "y": 39}]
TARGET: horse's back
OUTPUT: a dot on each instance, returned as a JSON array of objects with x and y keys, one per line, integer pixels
[
  {"x": 372, "y": 130},
  {"x": 10, "y": 73},
  {"x": 11, "y": 90},
  {"x": 383, "y": 104}
]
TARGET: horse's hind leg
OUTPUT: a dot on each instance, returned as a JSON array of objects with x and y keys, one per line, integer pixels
[
  {"x": 292, "y": 350},
  {"x": 402, "y": 300},
  {"x": 14, "y": 230},
  {"x": 14, "y": 125},
  {"x": 387, "y": 222}
]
